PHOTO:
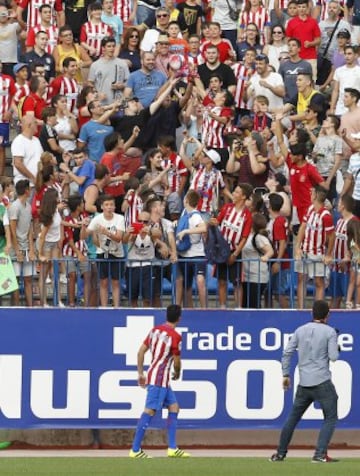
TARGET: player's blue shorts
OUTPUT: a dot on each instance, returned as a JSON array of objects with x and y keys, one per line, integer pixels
[
  {"x": 159, "y": 397},
  {"x": 339, "y": 283}
]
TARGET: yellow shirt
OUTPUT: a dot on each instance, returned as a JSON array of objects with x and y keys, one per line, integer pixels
[
  {"x": 303, "y": 103},
  {"x": 74, "y": 53}
]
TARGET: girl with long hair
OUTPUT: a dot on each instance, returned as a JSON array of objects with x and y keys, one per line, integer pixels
[{"x": 49, "y": 242}]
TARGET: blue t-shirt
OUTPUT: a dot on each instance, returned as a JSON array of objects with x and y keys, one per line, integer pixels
[
  {"x": 93, "y": 134},
  {"x": 86, "y": 170},
  {"x": 116, "y": 24},
  {"x": 145, "y": 86}
]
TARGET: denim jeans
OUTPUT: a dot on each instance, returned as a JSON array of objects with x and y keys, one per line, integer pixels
[
  {"x": 325, "y": 394},
  {"x": 143, "y": 13}
]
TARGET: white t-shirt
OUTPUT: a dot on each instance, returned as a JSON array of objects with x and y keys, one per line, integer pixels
[
  {"x": 141, "y": 249},
  {"x": 255, "y": 271},
  {"x": 347, "y": 78},
  {"x": 117, "y": 222},
  {"x": 274, "y": 79},
  {"x": 30, "y": 151},
  {"x": 54, "y": 232},
  {"x": 196, "y": 240}
]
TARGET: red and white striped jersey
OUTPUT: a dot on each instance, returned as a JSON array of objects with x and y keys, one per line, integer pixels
[
  {"x": 318, "y": 225},
  {"x": 33, "y": 14},
  {"x": 177, "y": 171},
  {"x": 135, "y": 207},
  {"x": 92, "y": 34},
  {"x": 7, "y": 91},
  {"x": 195, "y": 60},
  {"x": 21, "y": 91},
  {"x": 340, "y": 245},
  {"x": 234, "y": 224},
  {"x": 206, "y": 183},
  {"x": 52, "y": 32},
  {"x": 164, "y": 342},
  {"x": 67, "y": 87},
  {"x": 212, "y": 133},
  {"x": 261, "y": 19},
  {"x": 72, "y": 233},
  {"x": 122, "y": 8},
  {"x": 242, "y": 74}
]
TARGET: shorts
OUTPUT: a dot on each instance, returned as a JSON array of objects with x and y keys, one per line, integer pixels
[
  {"x": 4, "y": 134},
  {"x": 158, "y": 398},
  {"x": 279, "y": 282},
  {"x": 73, "y": 265},
  {"x": 48, "y": 245},
  {"x": 26, "y": 268},
  {"x": 311, "y": 265},
  {"x": 229, "y": 272},
  {"x": 109, "y": 266},
  {"x": 339, "y": 283},
  {"x": 140, "y": 281},
  {"x": 194, "y": 266}
]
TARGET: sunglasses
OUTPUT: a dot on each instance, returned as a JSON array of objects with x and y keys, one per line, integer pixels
[
  {"x": 162, "y": 15},
  {"x": 134, "y": 36},
  {"x": 277, "y": 32}
]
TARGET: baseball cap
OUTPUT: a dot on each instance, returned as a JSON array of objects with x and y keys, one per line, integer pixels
[
  {"x": 355, "y": 135},
  {"x": 213, "y": 155},
  {"x": 19, "y": 66},
  {"x": 344, "y": 33}
]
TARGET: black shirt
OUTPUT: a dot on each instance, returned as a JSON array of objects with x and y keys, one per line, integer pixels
[
  {"x": 46, "y": 60},
  {"x": 124, "y": 125},
  {"x": 222, "y": 70}
]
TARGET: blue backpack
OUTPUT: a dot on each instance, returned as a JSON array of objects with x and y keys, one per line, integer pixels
[
  {"x": 183, "y": 224},
  {"x": 217, "y": 249}
]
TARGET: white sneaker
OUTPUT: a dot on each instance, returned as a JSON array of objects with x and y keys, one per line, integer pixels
[
  {"x": 61, "y": 304},
  {"x": 63, "y": 279},
  {"x": 48, "y": 280}
]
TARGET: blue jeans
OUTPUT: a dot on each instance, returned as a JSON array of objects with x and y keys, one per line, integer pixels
[
  {"x": 143, "y": 14},
  {"x": 325, "y": 394}
]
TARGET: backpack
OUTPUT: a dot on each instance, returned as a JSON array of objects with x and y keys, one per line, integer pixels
[
  {"x": 183, "y": 224},
  {"x": 217, "y": 249},
  {"x": 21, "y": 105}
]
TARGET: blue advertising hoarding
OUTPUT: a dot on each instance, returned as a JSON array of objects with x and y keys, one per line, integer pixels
[{"x": 77, "y": 368}]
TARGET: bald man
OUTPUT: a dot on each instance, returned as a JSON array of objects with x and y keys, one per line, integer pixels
[{"x": 26, "y": 151}]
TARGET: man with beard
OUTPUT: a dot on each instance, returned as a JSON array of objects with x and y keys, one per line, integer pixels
[{"x": 146, "y": 81}]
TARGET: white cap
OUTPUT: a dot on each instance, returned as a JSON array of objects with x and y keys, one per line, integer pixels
[
  {"x": 355, "y": 135},
  {"x": 213, "y": 155}
]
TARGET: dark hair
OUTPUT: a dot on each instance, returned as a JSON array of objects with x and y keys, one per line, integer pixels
[
  {"x": 257, "y": 38},
  {"x": 131, "y": 183},
  {"x": 129, "y": 32},
  {"x": 81, "y": 99},
  {"x": 173, "y": 22},
  {"x": 48, "y": 112},
  {"x": 149, "y": 155},
  {"x": 299, "y": 149},
  {"x": 91, "y": 105},
  {"x": 276, "y": 25},
  {"x": 67, "y": 61},
  {"x": 246, "y": 189},
  {"x": 64, "y": 28},
  {"x": 216, "y": 75},
  {"x": 259, "y": 223},
  {"x": 34, "y": 84},
  {"x": 320, "y": 310},
  {"x": 302, "y": 2},
  {"x": 167, "y": 141},
  {"x": 111, "y": 141},
  {"x": 74, "y": 201},
  {"x": 101, "y": 171},
  {"x": 353, "y": 232},
  {"x": 21, "y": 186},
  {"x": 296, "y": 40},
  {"x": 321, "y": 193},
  {"x": 335, "y": 121},
  {"x": 353, "y": 48},
  {"x": 56, "y": 99},
  {"x": 276, "y": 201},
  {"x": 348, "y": 202},
  {"x": 106, "y": 198},
  {"x": 48, "y": 206},
  {"x": 355, "y": 93},
  {"x": 42, "y": 7},
  {"x": 93, "y": 7},
  {"x": 302, "y": 136},
  {"x": 106, "y": 40},
  {"x": 193, "y": 198},
  {"x": 43, "y": 176},
  {"x": 173, "y": 313},
  {"x": 79, "y": 151}
]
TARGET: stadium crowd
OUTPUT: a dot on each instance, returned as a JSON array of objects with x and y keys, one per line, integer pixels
[{"x": 140, "y": 128}]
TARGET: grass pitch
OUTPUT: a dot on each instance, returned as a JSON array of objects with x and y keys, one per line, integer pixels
[{"x": 67, "y": 466}]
